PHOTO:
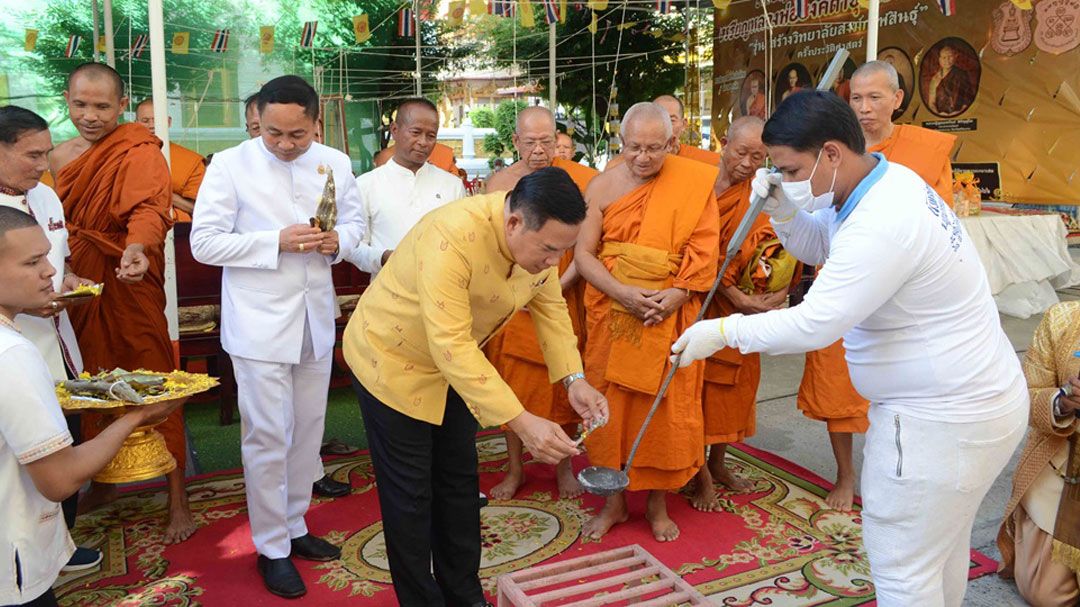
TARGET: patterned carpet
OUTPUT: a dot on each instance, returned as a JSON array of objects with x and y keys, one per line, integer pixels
[{"x": 776, "y": 545}]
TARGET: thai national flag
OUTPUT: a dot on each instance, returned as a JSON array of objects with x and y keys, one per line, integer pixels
[
  {"x": 551, "y": 11},
  {"x": 221, "y": 41},
  {"x": 72, "y": 46},
  {"x": 948, "y": 7},
  {"x": 307, "y": 38},
  {"x": 663, "y": 6},
  {"x": 406, "y": 23},
  {"x": 802, "y": 9},
  {"x": 139, "y": 45},
  {"x": 501, "y": 8}
]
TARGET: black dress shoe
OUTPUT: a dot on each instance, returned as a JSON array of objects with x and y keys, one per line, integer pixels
[
  {"x": 311, "y": 548},
  {"x": 281, "y": 577},
  {"x": 328, "y": 487}
]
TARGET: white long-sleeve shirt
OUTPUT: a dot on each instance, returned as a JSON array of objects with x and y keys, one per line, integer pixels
[
  {"x": 247, "y": 197},
  {"x": 904, "y": 287},
  {"x": 392, "y": 201}
]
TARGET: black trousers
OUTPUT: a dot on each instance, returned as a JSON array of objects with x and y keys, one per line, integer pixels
[{"x": 429, "y": 492}]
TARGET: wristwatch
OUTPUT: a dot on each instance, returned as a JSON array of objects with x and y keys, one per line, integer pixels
[{"x": 569, "y": 379}]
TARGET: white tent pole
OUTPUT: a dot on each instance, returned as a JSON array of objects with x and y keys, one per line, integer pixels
[
  {"x": 159, "y": 90},
  {"x": 872, "y": 30},
  {"x": 551, "y": 68},
  {"x": 416, "y": 26},
  {"x": 110, "y": 43},
  {"x": 97, "y": 31}
]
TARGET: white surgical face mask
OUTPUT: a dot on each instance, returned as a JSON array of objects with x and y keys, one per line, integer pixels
[{"x": 801, "y": 193}]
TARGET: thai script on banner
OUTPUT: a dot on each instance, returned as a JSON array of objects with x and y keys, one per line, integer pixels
[{"x": 743, "y": 29}]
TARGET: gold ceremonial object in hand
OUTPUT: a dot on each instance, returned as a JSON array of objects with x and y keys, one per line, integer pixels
[
  {"x": 143, "y": 455},
  {"x": 326, "y": 213}
]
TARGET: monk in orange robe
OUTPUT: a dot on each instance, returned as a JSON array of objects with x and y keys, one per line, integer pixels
[
  {"x": 675, "y": 110},
  {"x": 115, "y": 187},
  {"x": 185, "y": 166},
  {"x": 515, "y": 352},
  {"x": 648, "y": 249},
  {"x": 731, "y": 378},
  {"x": 442, "y": 156}
]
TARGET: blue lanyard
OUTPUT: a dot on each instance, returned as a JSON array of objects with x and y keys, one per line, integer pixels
[{"x": 864, "y": 186}]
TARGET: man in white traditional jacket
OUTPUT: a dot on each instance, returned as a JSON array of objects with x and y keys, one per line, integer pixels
[
  {"x": 904, "y": 287},
  {"x": 277, "y": 313},
  {"x": 397, "y": 194},
  {"x": 25, "y": 143}
]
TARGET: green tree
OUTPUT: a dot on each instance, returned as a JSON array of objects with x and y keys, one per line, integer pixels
[{"x": 482, "y": 118}]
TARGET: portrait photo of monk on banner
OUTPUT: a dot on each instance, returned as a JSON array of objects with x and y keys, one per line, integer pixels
[
  {"x": 790, "y": 80},
  {"x": 752, "y": 95},
  {"x": 949, "y": 77}
]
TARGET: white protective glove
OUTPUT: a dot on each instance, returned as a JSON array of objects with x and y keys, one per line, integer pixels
[
  {"x": 702, "y": 339},
  {"x": 766, "y": 184}
]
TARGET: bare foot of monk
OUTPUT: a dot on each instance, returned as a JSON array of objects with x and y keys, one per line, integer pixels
[
  {"x": 721, "y": 474},
  {"x": 663, "y": 528},
  {"x": 97, "y": 496},
  {"x": 842, "y": 497},
  {"x": 569, "y": 487},
  {"x": 180, "y": 525},
  {"x": 509, "y": 485},
  {"x": 613, "y": 513},
  {"x": 704, "y": 497}
]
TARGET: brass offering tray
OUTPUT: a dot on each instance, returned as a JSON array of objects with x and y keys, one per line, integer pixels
[
  {"x": 144, "y": 454},
  {"x": 111, "y": 390}
]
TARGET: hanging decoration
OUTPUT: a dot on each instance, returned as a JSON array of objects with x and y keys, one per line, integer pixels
[
  {"x": 221, "y": 41},
  {"x": 307, "y": 37},
  {"x": 361, "y": 28},
  {"x": 180, "y": 43},
  {"x": 266, "y": 39},
  {"x": 72, "y": 46}
]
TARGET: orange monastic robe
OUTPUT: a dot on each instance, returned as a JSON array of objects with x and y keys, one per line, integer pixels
[
  {"x": 187, "y": 171},
  {"x": 731, "y": 377},
  {"x": 696, "y": 153},
  {"x": 663, "y": 234},
  {"x": 515, "y": 352},
  {"x": 924, "y": 151},
  {"x": 115, "y": 194}
]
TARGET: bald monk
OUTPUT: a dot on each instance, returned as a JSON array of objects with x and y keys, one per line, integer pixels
[
  {"x": 675, "y": 110},
  {"x": 875, "y": 95},
  {"x": 564, "y": 146},
  {"x": 116, "y": 191},
  {"x": 515, "y": 352},
  {"x": 442, "y": 156},
  {"x": 185, "y": 166},
  {"x": 648, "y": 249},
  {"x": 731, "y": 378}
]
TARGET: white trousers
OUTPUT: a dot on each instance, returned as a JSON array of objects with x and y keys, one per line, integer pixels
[
  {"x": 282, "y": 410},
  {"x": 922, "y": 483}
]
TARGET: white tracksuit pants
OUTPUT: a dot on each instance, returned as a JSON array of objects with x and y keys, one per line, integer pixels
[
  {"x": 922, "y": 483},
  {"x": 282, "y": 409}
]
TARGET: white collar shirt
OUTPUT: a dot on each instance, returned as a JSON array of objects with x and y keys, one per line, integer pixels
[
  {"x": 392, "y": 201},
  {"x": 32, "y": 427}
]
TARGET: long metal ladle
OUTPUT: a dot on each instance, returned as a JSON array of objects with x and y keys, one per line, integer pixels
[{"x": 603, "y": 481}]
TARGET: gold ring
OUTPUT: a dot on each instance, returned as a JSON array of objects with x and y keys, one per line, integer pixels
[{"x": 301, "y": 246}]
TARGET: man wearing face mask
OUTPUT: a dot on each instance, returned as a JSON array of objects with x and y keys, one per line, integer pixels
[
  {"x": 905, "y": 289},
  {"x": 277, "y": 316}
]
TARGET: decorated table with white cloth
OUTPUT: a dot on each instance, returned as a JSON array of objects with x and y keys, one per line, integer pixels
[{"x": 1026, "y": 258}]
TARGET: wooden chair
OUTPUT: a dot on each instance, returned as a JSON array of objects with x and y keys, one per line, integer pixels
[{"x": 200, "y": 285}]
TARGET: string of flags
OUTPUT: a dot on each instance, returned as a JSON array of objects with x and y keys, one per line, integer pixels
[{"x": 554, "y": 11}]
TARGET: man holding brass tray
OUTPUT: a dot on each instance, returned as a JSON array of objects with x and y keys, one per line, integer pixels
[{"x": 39, "y": 467}]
